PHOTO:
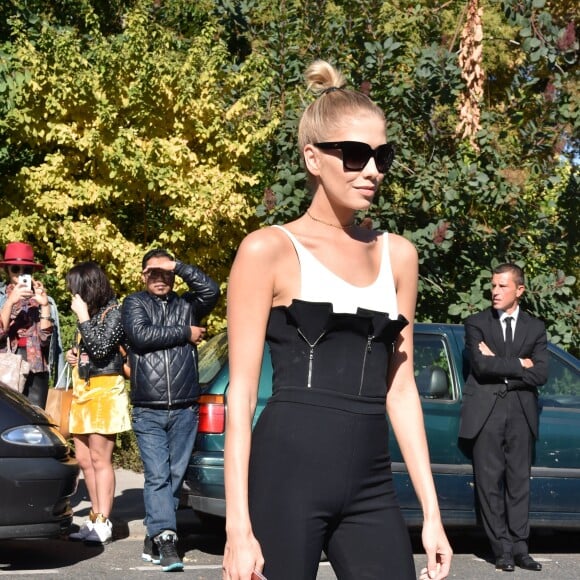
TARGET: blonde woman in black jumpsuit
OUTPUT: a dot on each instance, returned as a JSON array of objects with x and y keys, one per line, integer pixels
[{"x": 333, "y": 301}]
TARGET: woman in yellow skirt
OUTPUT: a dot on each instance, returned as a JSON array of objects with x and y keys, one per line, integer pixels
[{"x": 100, "y": 405}]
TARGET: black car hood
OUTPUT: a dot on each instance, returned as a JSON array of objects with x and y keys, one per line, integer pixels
[{"x": 16, "y": 410}]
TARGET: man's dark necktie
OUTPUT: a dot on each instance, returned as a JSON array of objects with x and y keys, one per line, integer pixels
[{"x": 509, "y": 337}]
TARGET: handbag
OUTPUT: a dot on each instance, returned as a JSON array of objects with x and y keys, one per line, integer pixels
[
  {"x": 13, "y": 369},
  {"x": 59, "y": 401}
]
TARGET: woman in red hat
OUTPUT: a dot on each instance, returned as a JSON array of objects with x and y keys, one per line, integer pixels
[{"x": 26, "y": 324}]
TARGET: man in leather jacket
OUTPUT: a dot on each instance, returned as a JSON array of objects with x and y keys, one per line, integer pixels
[{"x": 162, "y": 331}]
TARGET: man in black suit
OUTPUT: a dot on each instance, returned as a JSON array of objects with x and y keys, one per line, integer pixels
[{"x": 499, "y": 413}]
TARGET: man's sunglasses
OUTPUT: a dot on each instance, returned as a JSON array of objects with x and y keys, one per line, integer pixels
[
  {"x": 159, "y": 273},
  {"x": 19, "y": 269},
  {"x": 356, "y": 155}
]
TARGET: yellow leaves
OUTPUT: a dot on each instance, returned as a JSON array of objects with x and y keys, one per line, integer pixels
[
  {"x": 97, "y": 238},
  {"x": 136, "y": 143}
]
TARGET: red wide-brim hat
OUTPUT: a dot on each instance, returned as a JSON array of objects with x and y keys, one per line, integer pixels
[{"x": 20, "y": 254}]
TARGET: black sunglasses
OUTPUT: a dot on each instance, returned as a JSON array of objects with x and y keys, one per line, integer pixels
[
  {"x": 18, "y": 269},
  {"x": 356, "y": 155},
  {"x": 159, "y": 273}
]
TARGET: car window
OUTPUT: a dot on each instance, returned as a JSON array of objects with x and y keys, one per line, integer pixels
[
  {"x": 212, "y": 356},
  {"x": 432, "y": 368},
  {"x": 563, "y": 386}
]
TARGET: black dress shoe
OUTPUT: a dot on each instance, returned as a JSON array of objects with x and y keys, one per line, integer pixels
[
  {"x": 526, "y": 562},
  {"x": 505, "y": 562}
]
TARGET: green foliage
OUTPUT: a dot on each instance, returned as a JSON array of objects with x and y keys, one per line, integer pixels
[
  {"x": 465, "y": 210},
  {"x": 127, "y": 124},
  {"x": 114, "y": 143}
]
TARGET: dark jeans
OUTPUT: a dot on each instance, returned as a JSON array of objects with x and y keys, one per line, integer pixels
[{"x": 165, "y": 438}]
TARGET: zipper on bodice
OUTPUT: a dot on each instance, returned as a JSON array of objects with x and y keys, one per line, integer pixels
[
  {"x": 310, "y": 355},
  {"x": 368, "y": 349}
]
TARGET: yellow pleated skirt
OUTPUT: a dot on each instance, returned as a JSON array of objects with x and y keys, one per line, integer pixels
[{"x": 99, "y": 405}]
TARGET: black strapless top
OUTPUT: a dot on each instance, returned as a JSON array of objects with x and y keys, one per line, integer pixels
[{"x": 331, "y": 359}]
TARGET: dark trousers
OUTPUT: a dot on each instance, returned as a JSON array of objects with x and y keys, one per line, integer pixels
[
  {"x": 36, "y": 389},
  {"x": 36, "y": 385},
  {"x": 502, "y": 456},
  {"x": 320, "y": 479}
]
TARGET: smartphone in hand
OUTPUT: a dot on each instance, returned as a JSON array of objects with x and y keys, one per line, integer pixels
[
  {"x": 26, "y": 279},
  {"x": 258, "y": 576}
]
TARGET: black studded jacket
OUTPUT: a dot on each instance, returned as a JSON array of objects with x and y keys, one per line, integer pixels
[{"x": 100, "y": 337}]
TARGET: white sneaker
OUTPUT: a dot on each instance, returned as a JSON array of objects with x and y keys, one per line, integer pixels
[
  {"x": 102, "y": 533},
  {"x": 83, "y": 532}
]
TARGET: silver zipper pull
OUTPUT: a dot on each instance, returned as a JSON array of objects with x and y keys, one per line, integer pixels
[
  {"x": 369, "y": 341},
  {"x": 311, "y": 355}
]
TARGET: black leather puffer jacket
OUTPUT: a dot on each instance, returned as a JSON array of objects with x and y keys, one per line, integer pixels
[
  {"x": 163, "y": 361},
  {"x": 100, "y": 339}
]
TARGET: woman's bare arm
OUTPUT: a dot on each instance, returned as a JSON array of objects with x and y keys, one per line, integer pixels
[
  {"x": 250, "y": 291},
  {"x": 406, "y": 416}
]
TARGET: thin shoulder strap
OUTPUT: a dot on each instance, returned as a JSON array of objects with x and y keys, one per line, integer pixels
[
  {"x": 290, "y": 235},
  {"x": 107, "y": 310}
]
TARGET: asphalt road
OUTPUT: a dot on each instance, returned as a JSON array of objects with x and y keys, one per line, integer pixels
[
  {"x": 202, "y": 548},
  {"x": 202, "y": 551}
]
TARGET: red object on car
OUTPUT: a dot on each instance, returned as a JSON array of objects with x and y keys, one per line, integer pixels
[{"x": 212, "y": 414}]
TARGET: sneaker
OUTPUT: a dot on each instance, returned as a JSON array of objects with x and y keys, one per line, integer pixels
[
  {"x": 150, "y": 551},
  {"x": 170, "y": 560},
  {"x": 83, "y": 532},
  {"x": 102, "y": 532}
]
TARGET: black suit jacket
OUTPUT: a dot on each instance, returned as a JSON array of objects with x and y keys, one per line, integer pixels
[{"x": 491, "y": 376}]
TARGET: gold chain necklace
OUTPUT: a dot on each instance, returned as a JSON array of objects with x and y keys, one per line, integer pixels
[{"x": 338, "y": 227}]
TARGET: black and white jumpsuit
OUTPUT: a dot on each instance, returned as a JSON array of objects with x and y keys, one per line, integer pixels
[{"x": 320, "y": 472}]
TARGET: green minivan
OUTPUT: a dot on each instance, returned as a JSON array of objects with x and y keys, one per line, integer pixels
[{"x": 441, "y": 366}]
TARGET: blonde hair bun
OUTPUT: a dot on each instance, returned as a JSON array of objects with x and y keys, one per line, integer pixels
[{"x": 321, "y": 76}]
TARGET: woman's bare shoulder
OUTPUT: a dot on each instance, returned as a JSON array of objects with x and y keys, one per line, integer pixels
[
  {"x": 265, "y": 243},
  {"x": 404, "y": 261},
  {"x": 401, "y": 247}
]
